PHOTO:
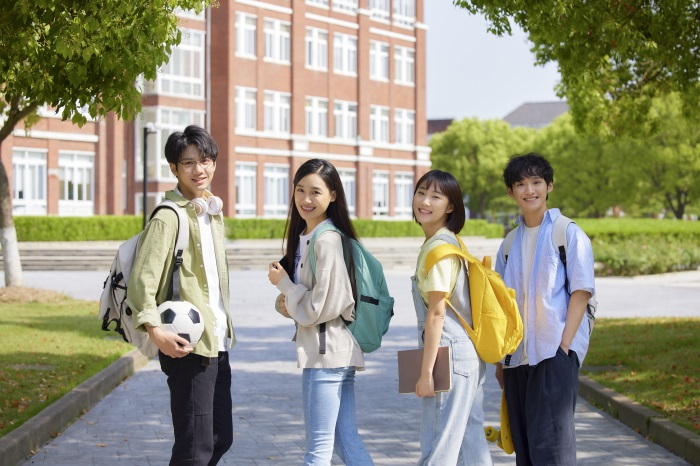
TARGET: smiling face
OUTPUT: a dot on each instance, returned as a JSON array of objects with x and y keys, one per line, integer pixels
[
  {"x": 192, "y": 181},
  {"x": 530, "y": 194},
  {"x": 431, "y": 208},
  {"x": 312, "y": 198}
]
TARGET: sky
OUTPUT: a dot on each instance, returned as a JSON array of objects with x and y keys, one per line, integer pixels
[{"x": 473, "y": 73}]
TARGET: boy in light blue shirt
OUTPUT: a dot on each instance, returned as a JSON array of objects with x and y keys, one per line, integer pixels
[{"x": 540, "y": 379}]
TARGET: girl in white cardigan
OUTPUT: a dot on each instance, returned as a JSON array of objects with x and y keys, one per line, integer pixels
[{"x": 320, "y": 305}]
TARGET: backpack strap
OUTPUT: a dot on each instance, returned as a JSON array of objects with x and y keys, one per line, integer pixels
[
  {"x": 559, "y": 240},
  {"x": 508, "y": 242},
  {"x": 181, "y": 241}
]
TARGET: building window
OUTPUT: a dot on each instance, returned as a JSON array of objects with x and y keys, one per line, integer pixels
[
  {"x": 345, "y": 54},
  {"x": 76, "y": 183},
  {"x": 167, "y": 120},
  {"x": 183, "y": 75},
  {"x": 404, "y": 126},
  {"x": 380, "y": 193},
  {"x": 345, "y": 5},
  {"x": 321, "y": 3},
  {"x": 379, "y": 9},
  {"x": 277, "y": 41},
  {"x": 316, "y": 116},
  {"x": 403, "y": 193},
  {"x": 405, "y": 65},
  {"x": 28, "y": 182},
  {"x": 246, "y": 103},
  {"x": 316, "y": 49},
  {"x": 378, "y": 123},
  {"x": 277, "y": 112},
  {"x": 405, "y": 12},
  {"x": 245, "y": 188},
  {"x": 246, "y": 35},
  {"x": 378, "y": 60},
  {"x": 276, "y": 190},
  {"x": 347, "y": 177},
  {"x": 345, "y": 115}
]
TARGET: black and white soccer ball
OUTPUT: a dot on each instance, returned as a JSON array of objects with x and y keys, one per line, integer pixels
[{"x": 183, "y": 318}]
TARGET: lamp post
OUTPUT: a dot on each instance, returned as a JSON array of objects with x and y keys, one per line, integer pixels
[{"x": 147, "y": 129}]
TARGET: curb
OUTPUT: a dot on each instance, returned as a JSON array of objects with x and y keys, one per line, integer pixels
[
  {"x": 22, "y": 442},
  {"x": 647, "y": 422}
]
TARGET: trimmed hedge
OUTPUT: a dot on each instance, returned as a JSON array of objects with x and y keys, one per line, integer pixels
[{"x": 123, "y": 227}]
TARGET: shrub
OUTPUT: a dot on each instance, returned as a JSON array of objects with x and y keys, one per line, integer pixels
[{"x": 95, "y": 228}]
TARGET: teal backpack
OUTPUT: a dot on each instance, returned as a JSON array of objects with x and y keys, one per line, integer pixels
[{"x": 374, "y": 308}]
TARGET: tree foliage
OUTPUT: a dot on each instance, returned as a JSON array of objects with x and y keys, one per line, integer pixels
[
  {"x": 76, "y": 56},
  {"x": 614, "y": 56},
  {"x": 476, "y": 152}
]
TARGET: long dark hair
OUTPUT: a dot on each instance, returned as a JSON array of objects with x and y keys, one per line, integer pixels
[
  {"x": 447, "y": 185},
  {"x": 337, "y": 210}
]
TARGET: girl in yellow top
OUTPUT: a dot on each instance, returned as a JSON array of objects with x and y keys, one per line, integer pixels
[{"x": 452, "y": 430}]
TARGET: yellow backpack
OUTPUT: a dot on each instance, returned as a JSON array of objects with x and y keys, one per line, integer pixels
[{"x": 498, "y": 327}]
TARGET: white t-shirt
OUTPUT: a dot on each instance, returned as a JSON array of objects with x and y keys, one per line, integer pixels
[
  {"x": 301, "y": 250},
  {"x": 528, "y": 258},
  {"x": 216, "y": 301}
]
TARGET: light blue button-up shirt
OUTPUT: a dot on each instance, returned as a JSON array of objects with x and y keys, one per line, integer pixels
[{"x": 548, "y": 302}]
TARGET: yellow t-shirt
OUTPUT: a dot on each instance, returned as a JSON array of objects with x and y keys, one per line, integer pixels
[{"x": 443, "y": 275}]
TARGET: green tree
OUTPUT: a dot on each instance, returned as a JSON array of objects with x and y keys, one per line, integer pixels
[
  {"x": 475, "y": 152},
  {"x": 614, "y": 56},
  {"x": 74, "y": 54},
  {"x": 670, "y": 167}
]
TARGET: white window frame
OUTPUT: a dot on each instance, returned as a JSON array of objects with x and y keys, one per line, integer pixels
[
  {"x": 404, "y": 65},
  {"x": 403, "y": 194},
  {"x": 76, "y": 178},
  {"x": 379, "y": 123},
  {"x": 276, "y": 202},
  {"x": 346, "y": 6},
  {"x": 246, "y": 109},
  {"x": 316, "y": 116},
  {"x": 404, "y": 12},
  {"x": 348, "y": 177},
  {"x": 316, "y": 41},
  {"x": 278, "y": 115},
  {"x": 380, "y": 10},
  {"x": 30, "y": 177},
  {"x": 246, "y": 189},
  {"x": 345, "y": 54},
  {"x": 345, "y": 118},
  {"x": 378, "y": 60},
  {"x": 404, "y": 126},
  {"x": 380, "y": 193},
  {"x": 246, "y": 36},
  {"x": 183, "y": 75},
  {"x": 278, "y": 42},
  {"x": 319, "y": 3}
]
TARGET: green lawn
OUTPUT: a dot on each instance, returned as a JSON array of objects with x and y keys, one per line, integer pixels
[
  {"x": 652, "y": 361},
  {"x": 49, "y": 346}
]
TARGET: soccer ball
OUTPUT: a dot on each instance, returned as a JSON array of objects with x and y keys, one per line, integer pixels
[{"x": 183, "y": 318}]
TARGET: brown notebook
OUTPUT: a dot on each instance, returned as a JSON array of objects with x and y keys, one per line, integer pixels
[{"x": 409, "y": 369}]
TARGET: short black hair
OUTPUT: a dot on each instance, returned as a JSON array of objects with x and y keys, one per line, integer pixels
[
  {"x": 446, "y": 183},
  {"x": 527, "y": 166},
  {"x": 192, "y": 135}
]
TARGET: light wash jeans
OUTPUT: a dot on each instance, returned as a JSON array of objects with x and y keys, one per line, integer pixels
[
  {"x": 452, "y": 422},
  {"x": 329, "y": 415}
]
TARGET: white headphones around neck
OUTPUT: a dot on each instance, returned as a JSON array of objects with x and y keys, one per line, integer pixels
[{"x": 213, "y": 205}]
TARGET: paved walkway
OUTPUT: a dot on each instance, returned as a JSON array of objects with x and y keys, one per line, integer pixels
[{"x": 132, "y": 426}]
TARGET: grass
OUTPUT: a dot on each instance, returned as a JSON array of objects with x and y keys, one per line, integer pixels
[
  {"x": 652, "y": 361},
  {"x": 51, "y": 344}
]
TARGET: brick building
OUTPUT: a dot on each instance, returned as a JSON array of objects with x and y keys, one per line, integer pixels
[{"x": 276, "y": 82}]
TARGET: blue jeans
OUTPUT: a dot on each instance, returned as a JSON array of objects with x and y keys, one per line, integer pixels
[{"x": 329, "y": 415}]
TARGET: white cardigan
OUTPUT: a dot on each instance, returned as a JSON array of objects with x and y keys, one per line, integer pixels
[{"x": 327, "y": 299}]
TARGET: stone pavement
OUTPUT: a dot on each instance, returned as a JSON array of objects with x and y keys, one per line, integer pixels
[{"x": 131, "y": 426}]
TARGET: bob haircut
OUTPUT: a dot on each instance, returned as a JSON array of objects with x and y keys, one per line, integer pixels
[
  {"x": 527, "y": 166},
  {"x": 337, "y": 210},
  {"x": 192, "y": 135},
  {"x": 445, "y": 183}
]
